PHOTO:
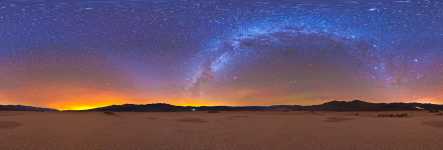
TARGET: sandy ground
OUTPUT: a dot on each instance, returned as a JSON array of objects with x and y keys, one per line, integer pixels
[{"x": 219, "y": 131}]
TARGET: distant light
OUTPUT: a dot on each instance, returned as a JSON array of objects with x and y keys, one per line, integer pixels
[
  {"x": 419, "y": 108},
  {"x": 372, "y": 9},
  {"x": 416, "y": 60}
]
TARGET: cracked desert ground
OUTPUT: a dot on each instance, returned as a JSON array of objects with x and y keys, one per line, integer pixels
[{"x": 219, "y": 131}]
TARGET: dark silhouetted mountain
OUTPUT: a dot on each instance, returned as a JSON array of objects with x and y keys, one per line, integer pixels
[
  {"x": 358, "y": 105},
  {"x": 23, "y": 108},
  {"x": 159, "y": 107},
  {"x": 355, "y": 105}
]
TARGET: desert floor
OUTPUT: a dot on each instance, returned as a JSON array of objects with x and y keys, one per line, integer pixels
[{"x": 220, "y": 131}]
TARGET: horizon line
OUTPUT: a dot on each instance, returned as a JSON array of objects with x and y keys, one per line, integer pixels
[{"x": 410, "y": 102}]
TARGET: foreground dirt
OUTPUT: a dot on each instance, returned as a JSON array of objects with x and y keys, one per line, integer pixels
[{"x": 220, "y": 131}]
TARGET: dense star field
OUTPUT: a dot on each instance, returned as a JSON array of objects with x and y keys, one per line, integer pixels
[{"x": 89, "y": 53}]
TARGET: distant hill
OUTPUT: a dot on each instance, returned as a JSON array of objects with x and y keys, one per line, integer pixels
[
  {"x": 355, "y": 105},
  {"x": 158, "y": 107},
  {"x": 162, "y": 107},
  {"x": 358, "y": 105},
  {"x": 23, "y": 108}
]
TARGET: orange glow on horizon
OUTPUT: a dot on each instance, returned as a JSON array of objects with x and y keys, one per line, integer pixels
[
  {"x": 95, "y": 103},
  {"x": 81, "y": 106},
  {"x": 84, "y": 102}
]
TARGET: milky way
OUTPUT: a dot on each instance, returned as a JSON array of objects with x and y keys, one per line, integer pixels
[{"x": 220, "y": 52}]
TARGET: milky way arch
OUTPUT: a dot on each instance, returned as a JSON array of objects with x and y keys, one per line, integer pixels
[
  {"x": 387, "y": 66},
  {"x": 256, "y": 42}
]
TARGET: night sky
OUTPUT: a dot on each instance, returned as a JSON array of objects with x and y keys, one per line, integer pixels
[{"x": 90, "y": 53}]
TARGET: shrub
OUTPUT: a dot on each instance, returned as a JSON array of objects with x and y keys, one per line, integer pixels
[
  {"x": 402, "y": 115},
  {"x": 192, "y": 120},
  {"x": 213, "y": 111},
  {"x": 433, "y": 111},
  {"x": 109, "y": 113}
]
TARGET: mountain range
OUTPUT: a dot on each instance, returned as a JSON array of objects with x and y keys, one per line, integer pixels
[
  {"x": 23, "y": 108},
  {"x": 355, "y": 105}
]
